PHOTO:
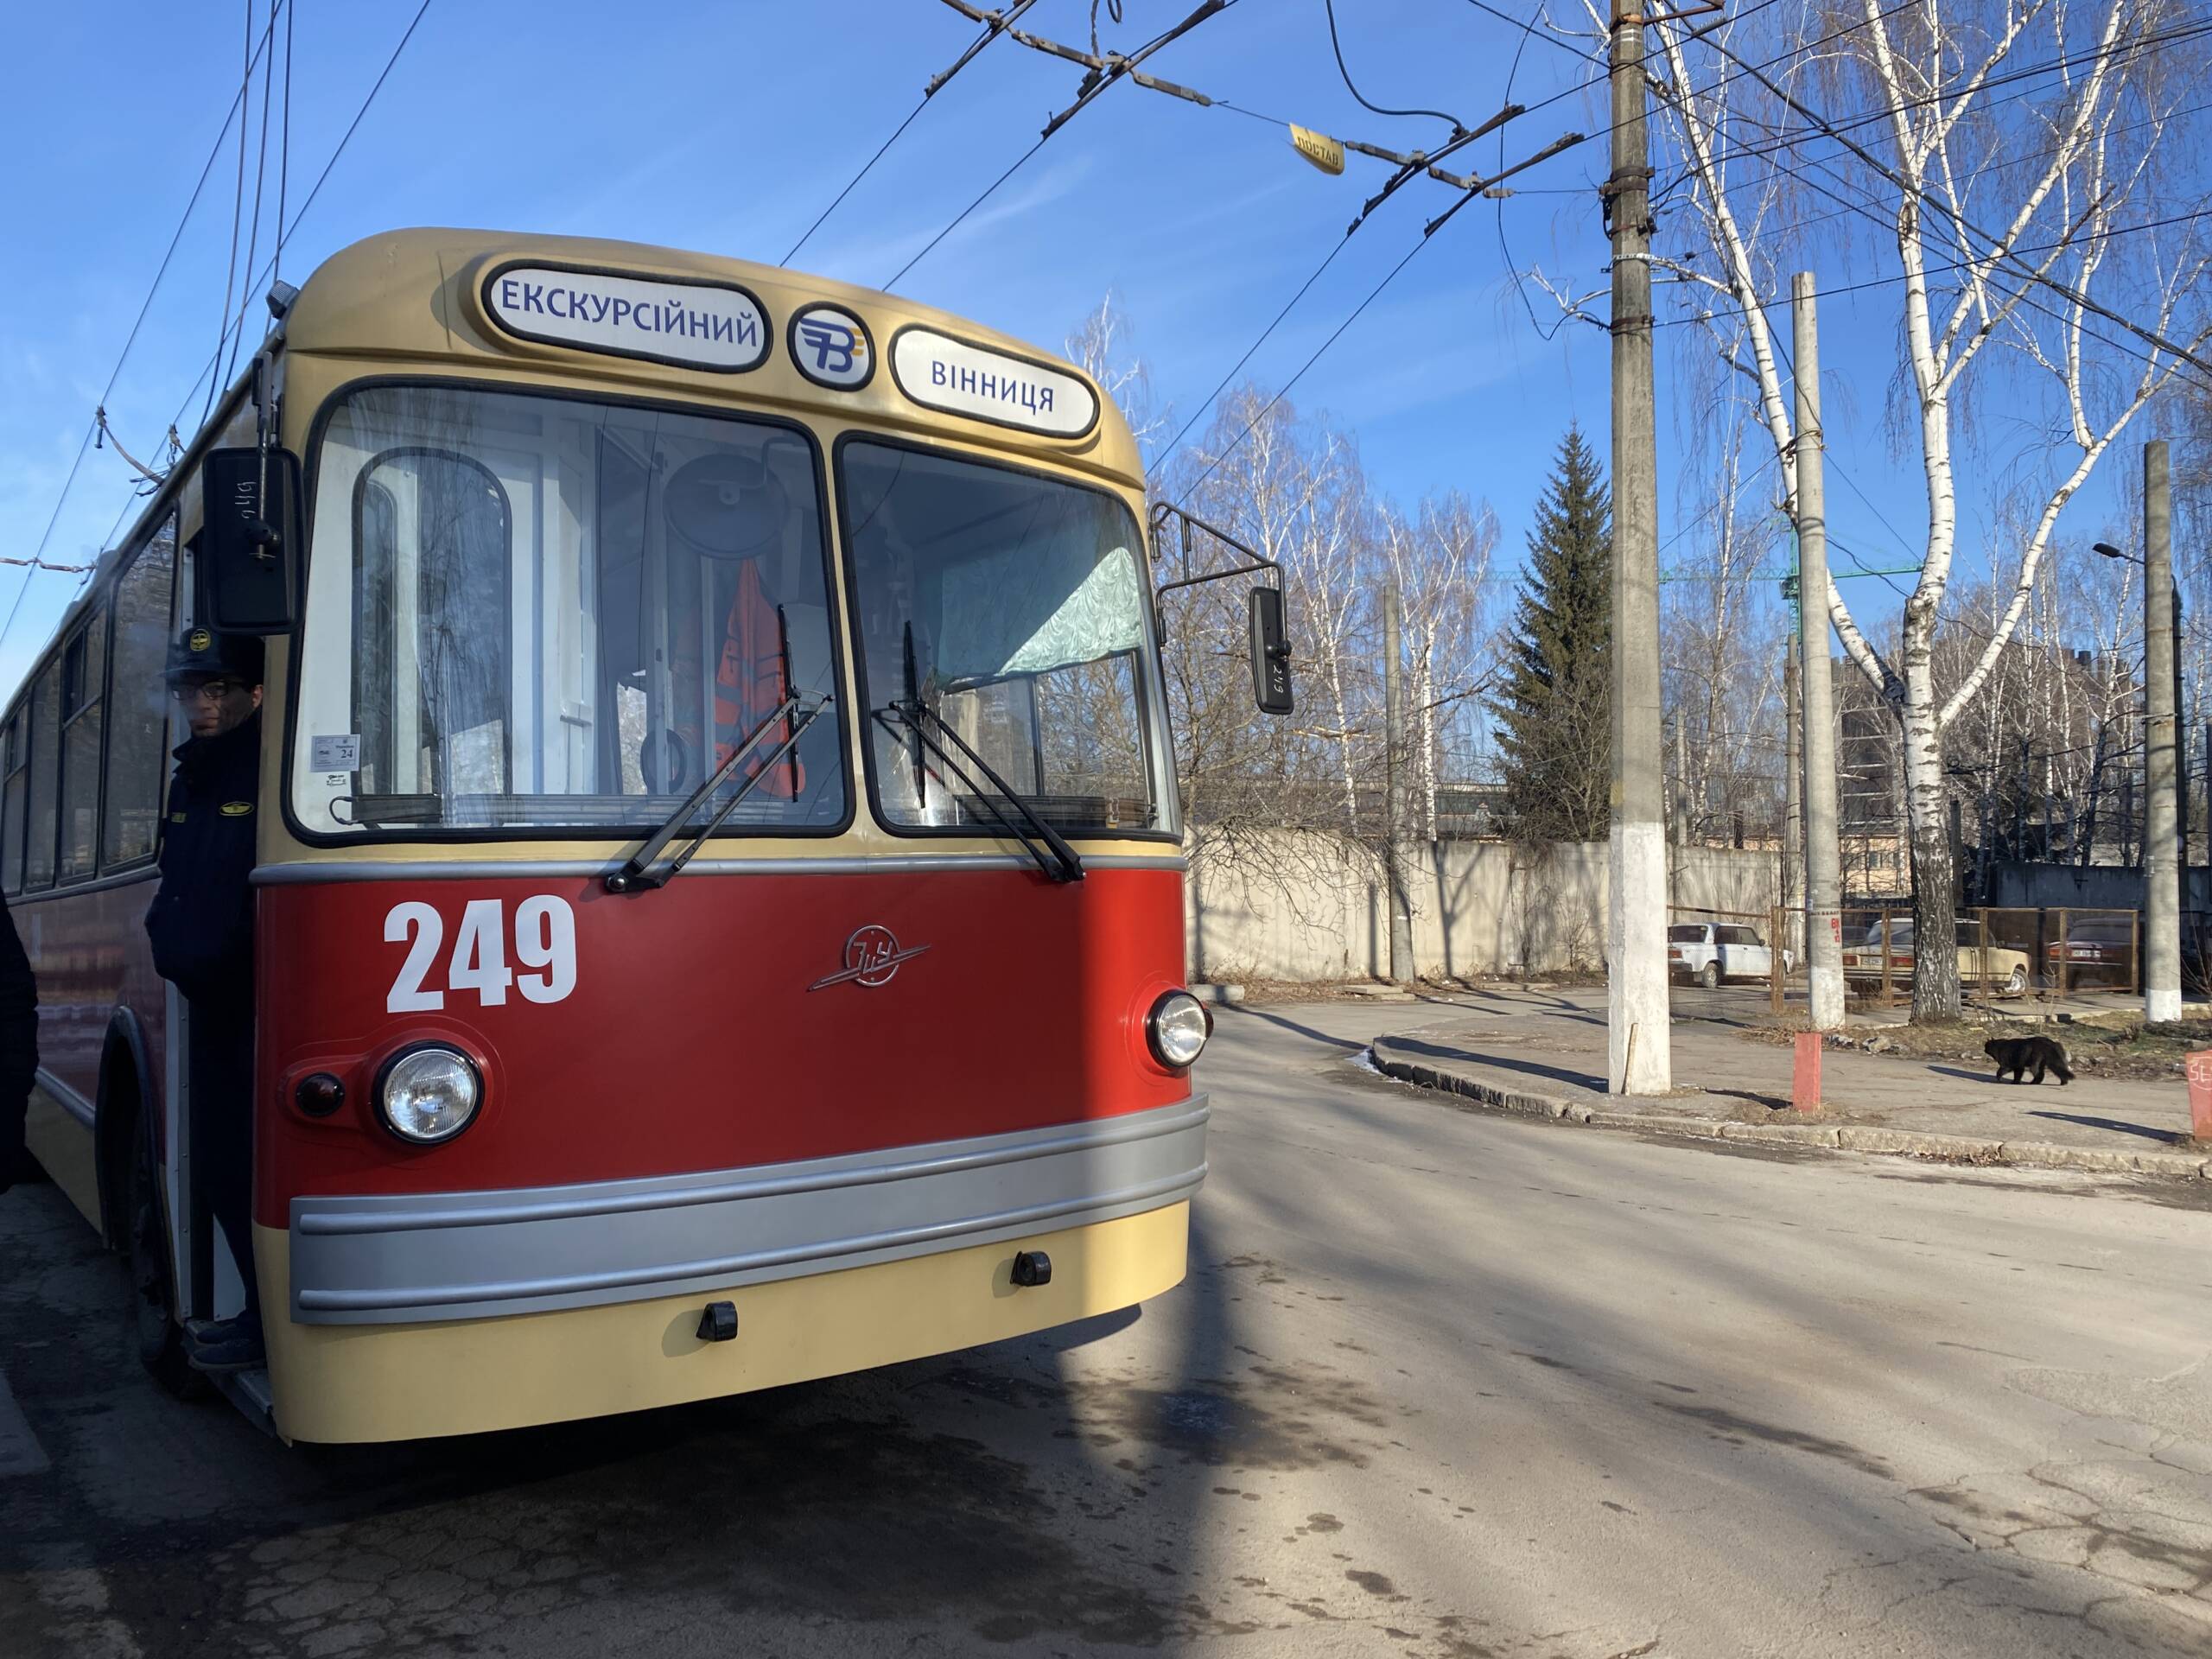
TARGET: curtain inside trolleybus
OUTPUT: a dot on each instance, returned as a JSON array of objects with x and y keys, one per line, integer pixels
[{"x": 1011, "y": 607}]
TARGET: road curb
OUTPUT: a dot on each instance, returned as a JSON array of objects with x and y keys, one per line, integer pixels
[{"x": 1844, "y": 1137}]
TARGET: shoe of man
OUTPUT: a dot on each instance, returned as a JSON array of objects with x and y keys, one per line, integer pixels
[{"x": 232, "y": 1345}]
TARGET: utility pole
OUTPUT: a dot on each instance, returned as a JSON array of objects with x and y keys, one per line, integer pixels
[
  {"x": 1823, "y": 857},
  {"x": 1639, "y": 1047},
  {"x": 1393, "y": 741},
  {"x": 1793, "y": 818},
  {"x": 2161, "y": 861}
]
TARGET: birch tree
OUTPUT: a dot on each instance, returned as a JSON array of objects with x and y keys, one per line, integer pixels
[{"x": 2022, "y": 160}]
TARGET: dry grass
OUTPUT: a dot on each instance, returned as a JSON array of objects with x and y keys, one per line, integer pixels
[{"x": 2096, "y": 1050}]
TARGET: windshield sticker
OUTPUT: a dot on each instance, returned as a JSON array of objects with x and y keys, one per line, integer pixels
[
  {"x": 691, "y": 325},
  {"x": 939, "y": 372},
  {"x": 335, "y": 753},
  {"x": 831, "y": 348}
]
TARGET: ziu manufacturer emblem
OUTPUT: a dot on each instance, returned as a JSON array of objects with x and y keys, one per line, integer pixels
[{"x": 872, "y": 958}]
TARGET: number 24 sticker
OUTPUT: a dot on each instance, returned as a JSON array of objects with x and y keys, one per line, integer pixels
[{"x": 544, "y": 940}]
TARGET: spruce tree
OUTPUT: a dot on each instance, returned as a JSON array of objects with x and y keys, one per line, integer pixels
[{"x": 1555, "y": 711}]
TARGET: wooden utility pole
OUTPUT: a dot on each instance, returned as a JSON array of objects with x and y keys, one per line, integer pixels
[
  {"x": 1823, "y": 855},
  {"x": 1639, "y": 1049},
  {"x": 1393, "y": 744}
]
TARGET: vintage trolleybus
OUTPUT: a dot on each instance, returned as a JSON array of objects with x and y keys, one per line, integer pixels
[{"x": 718, "y": 905}]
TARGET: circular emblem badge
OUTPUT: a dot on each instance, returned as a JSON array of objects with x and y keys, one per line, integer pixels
[
  {"x": 831, "y": 348},
  {"x": 871, "y": 955},
  {"x": 200, "y": 640}
]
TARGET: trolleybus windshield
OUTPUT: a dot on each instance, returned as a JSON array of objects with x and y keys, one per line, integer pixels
[
  {"x": 531, "y": 612},
  {"x": 1012, "y": 607}
]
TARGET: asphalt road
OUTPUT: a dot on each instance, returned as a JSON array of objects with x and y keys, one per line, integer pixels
[{"x": 1438, "y": 1384}]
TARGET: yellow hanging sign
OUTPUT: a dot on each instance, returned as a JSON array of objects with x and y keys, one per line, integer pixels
[{"x": 1325, "y": 152}]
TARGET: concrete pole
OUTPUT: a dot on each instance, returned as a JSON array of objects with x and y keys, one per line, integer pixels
[
  {"x": 1639, "y": 1047},
  {"x": 2161, "y": 849},
  {"x": 1823, "y": 857},
  {"x": 1793, "y": 810},
  {"x": 1393, "y": 744}
]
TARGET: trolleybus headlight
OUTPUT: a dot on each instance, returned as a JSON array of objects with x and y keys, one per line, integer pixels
[
  {"x": 1179, "y": 1026},
  {"x": 428, "y": 1093}
]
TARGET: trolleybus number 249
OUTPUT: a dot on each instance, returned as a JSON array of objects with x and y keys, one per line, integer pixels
[{"x": 544, "y": 940}]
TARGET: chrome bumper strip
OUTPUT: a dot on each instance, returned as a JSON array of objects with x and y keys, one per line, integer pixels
[{"x": 467, "y": 1255}]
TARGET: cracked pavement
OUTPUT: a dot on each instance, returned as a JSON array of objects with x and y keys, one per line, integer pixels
[{"x": 1441, "y": 1384}]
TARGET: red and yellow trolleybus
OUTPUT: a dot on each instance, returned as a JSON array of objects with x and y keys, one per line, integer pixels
[{"x": 718, "y": 906}]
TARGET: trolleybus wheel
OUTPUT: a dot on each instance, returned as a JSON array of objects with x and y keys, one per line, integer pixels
[{"x": 153, "y": 1288}]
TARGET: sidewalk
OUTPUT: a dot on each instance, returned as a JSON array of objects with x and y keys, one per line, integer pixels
[{"x": 1544, "y": 1052}]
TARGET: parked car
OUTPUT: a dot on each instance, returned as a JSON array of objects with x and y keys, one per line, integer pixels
[
  {"x": 2097, "y": 949},
  {"x": 1709, "y": 952},
  {"x": 2001, "y": 968}
]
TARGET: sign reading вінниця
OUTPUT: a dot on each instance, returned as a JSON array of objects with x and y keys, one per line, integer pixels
[
  {"x": 939, "y": 372},
  {"x": 714, "y": 326}
]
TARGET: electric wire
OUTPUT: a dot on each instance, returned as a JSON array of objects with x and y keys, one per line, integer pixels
[
  {"x": 237, "y": 198},
  {"x": 213, "y": 360},
  {"x": 1093, "y": 88},
  {"x": 991, "y": 32},
  {"x": 1350, "y": 85},
  {"x": 260, "y": 171},
  {"x": 91, "y": 427}
]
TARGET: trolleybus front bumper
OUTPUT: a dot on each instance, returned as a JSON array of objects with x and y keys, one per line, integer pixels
[{"x": 419, "y": 1257}]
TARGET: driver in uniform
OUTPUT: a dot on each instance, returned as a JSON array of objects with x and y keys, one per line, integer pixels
[{"x": 202, "y": 928}]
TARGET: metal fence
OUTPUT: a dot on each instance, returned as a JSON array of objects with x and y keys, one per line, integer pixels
[{"x": 1722, "y": 963}]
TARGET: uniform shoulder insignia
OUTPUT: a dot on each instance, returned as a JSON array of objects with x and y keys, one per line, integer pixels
[
  {"x": 177, "y": 818},
  {"x": 237, "y": 809}
]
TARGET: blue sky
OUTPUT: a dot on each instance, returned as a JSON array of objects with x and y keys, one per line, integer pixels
[{"x": 727, "y": 128}]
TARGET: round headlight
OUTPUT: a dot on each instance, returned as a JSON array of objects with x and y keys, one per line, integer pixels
[
  {"x": 1178, "y": 1027},
  {"x": 428, "y": 1094}
]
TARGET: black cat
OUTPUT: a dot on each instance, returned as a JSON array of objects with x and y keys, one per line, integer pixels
[{"x": 2016, "y": 1054}]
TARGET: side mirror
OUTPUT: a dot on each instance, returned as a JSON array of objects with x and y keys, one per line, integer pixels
[
  {"x": 1270, "y": 653},
  {"x": 249, "y": 548}
]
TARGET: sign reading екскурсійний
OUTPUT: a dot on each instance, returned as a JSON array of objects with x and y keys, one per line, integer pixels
[{"x": 697, "y": 325}]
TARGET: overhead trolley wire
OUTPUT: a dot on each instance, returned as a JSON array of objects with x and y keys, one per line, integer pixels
[
  {"x": 1967, "y": 228},
  {"x": 260, "y": 172},
  {"x": 284, "y": 233},
  {"x": 994, "y": 23},
  {"x": 91, "y": 427},
  {"x": 1350, "y": 85},
  {"x": 1103, "y": 73}
]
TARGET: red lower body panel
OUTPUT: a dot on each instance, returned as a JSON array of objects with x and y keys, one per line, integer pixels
[{"x": 690, "y": 1028}]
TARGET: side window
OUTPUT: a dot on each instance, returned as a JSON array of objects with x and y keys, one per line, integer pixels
[
  {"x": 138, "y": 703},
  {"x": 15, "y": 788},
  {"x": 46, "y": 779},
  {"x": 84, "y": 678}
]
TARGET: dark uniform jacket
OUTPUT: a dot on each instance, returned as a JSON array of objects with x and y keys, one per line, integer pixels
[
  {"x": 18, "y": 1042},
  {"x": 201, "y": 923}
]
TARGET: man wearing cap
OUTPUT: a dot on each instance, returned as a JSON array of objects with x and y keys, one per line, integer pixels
[{"x": 201, "y": 926}]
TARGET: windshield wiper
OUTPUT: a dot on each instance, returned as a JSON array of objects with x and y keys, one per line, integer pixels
[
  {"x": 637, "y": 874},
  {"x": 1055, "y": 857}
]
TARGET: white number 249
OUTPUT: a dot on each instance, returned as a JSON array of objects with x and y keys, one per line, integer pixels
[{"x": 544, "y": 936}]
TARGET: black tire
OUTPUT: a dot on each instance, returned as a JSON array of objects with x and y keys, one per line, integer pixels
[
  {"x": 159, "y": 1339},
  {"x": 1709, "y": 975}
]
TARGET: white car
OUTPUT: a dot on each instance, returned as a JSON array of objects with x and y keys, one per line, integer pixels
[{"x": 1709, "y": 952}]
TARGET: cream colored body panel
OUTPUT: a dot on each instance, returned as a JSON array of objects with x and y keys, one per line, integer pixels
[{"x": 387, "y": 1382}]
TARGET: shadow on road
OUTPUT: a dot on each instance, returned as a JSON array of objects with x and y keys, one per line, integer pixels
[{"x": 2164, "y": 1137}]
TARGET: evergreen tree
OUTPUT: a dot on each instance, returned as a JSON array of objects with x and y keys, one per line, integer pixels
[{"x": 1555, "y": 712}]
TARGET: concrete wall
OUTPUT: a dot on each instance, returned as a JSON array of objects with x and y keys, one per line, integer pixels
[{"x": 1293, "y": 904}]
